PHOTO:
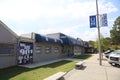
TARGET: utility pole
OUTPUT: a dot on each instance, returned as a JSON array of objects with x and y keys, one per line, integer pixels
[{"x": 99, "y": 42}]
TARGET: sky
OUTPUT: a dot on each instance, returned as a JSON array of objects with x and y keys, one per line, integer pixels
[{"x": 70, "y": 17}]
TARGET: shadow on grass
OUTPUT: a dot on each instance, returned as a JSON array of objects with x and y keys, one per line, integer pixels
[
  {"x": 86, "y": 56},
  {"x": 56, "y": 64},
  {"x": 8, "y": 73}
]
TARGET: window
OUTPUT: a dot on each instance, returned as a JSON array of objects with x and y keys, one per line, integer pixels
[
  {"x": 56, "y": 49},
  {"x": 6, "y": 48},
  {"x": 47, "y": 49},
  {"x": 38, "y": 49}
]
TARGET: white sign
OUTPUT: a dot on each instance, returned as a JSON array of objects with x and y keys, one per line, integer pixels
[{"x": 103, "y": 20}]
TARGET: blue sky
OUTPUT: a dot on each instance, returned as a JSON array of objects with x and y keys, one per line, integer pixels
[{"x": 70, "y": 17}]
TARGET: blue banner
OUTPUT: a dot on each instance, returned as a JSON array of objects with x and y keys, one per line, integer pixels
[
  {"x": 25, "y": 54},
  {"x": 93, "y": 21}
]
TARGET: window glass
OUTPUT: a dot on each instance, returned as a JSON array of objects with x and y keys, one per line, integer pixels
[
  {"x": 38, "y": 49},
  {"x": 48, "y": 49},
  {"x": 56, "y": 49}
]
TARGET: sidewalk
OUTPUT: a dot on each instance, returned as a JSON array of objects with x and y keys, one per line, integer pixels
[
  {"x": 37, "y": 64},
  {"x": 93, "y": 71}
]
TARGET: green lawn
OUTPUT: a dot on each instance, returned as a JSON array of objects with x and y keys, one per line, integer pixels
[
  {"x": 84, "y": 56},
  {"x": 39, "y": 73}
]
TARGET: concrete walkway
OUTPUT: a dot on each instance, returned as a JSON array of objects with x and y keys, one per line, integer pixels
[
  {"x": 93, "y": 71},
  {"x": 38, "y": 64}
]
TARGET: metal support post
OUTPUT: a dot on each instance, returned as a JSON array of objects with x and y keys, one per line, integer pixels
[{"x": 99, "y": 42}]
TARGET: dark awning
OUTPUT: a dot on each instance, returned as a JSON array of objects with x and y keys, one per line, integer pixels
[
  {"x": 41, "y": 38},
  {"x": 64, "y": 39},
  {"x": 71, "y": 41}
]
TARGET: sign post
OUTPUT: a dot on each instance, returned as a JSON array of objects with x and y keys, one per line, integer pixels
[
  {"x": 99, "y": 42},
  {"x": 94, "y": 22}
]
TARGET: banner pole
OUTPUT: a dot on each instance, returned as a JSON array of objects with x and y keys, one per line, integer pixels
[{"x": 99, "y": 42}]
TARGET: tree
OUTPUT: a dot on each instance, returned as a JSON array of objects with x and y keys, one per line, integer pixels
[
  {"x": 105, "y": 42},
  {"x": 115, "y": 32}
]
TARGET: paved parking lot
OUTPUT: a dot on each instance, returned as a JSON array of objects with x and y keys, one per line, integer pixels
[{"x": 93, "y": 71}]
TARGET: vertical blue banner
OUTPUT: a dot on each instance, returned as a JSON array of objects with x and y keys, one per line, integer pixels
[{"x": 92, "y": 21}]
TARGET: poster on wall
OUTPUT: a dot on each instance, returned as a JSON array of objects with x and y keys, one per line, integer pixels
[{"x": 25, "y": 54}]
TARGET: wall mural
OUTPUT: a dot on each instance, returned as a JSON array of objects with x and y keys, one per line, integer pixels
[{"x": 25, "y": 54}]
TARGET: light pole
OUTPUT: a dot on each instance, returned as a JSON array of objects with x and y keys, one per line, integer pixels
[{"x": 99, "y": 42}]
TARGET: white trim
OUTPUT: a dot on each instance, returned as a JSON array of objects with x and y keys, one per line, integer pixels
[{"x": 24, "y": 39}]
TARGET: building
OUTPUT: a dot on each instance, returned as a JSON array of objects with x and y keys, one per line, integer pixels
[
  {"x": 70, "y": 45},
  {"x": 47, "y": 48},
  {"x": 34, "y": 47},
  {"x": 88, "y": 48},
  {"x": 8, "y": 46}
]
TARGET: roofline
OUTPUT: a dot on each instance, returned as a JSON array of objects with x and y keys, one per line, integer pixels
[
  {"x": 25, "y": 39},
  {"x": 8, "y": 29}
]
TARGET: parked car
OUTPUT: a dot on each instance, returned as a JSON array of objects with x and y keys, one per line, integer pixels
[
  {"x": 107, "y": 53},
  {"x": 114, "y": 58}
]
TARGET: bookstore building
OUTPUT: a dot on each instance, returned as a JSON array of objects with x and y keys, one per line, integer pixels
[{"x": 34, "y": 47}]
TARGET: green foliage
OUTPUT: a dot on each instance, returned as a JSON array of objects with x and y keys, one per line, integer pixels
[
  {"x": 105, "y": 42},
  {"x": 115, "y": 32},
  {"x": 114, "y": 41},
  {"x": 96, "y": 44},
  {"x": 114, "y": 47}
]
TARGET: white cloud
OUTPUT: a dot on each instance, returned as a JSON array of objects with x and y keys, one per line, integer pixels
[
  {"x": 32, "y": 9},
  {"x": 55, "y": 13},
  {"x": 105, "y": 31},
  {"x": 90, "y": 35},
  {"x": 67, "y": 30},
  {"x": 107, "y": 8},
  {"x": 93, "y": 34}
]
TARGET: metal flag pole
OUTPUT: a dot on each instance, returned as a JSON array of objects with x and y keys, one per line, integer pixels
[{"x": 99, "y": 42}]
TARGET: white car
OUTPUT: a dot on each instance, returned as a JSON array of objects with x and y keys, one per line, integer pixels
[
  {"x": 114, "y": 58},
  {"x": 107, "y": 53}
]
